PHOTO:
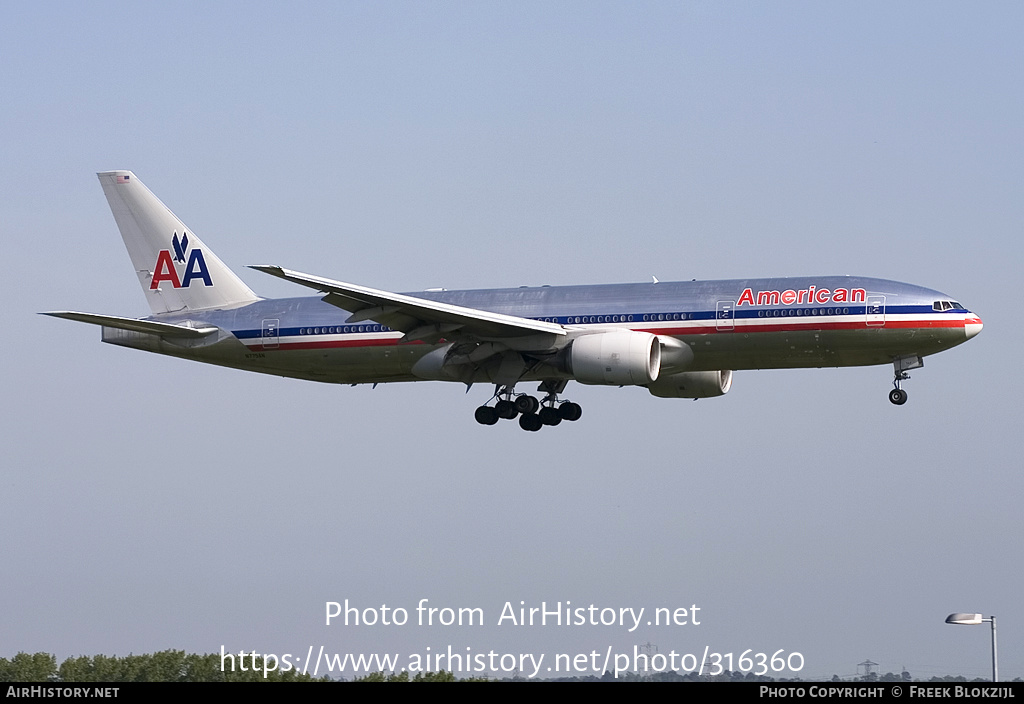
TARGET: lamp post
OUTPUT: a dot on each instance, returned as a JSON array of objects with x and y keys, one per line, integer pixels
[{"x": 975, "y": 620}]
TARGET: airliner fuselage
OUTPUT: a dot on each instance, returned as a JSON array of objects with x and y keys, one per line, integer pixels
[{"x": 860, "y": 321}]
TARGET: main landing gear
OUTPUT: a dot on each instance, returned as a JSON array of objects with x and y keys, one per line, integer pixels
[
  {"x": 532, "y": 414},
  {"x": 900, "y": 366}
]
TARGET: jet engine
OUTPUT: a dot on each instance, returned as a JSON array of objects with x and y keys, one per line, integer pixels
[
  {"x": 692, "y": 384},
  {"x": 626, "y": 358}
]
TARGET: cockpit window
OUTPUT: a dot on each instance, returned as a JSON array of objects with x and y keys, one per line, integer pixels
[{"x": 947, "y": 305}]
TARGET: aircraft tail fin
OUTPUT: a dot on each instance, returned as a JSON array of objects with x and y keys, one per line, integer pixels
[{"x": 177, "y": 271}]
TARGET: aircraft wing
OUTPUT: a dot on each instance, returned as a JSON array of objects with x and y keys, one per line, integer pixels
[
  {"x": 149, "y": 326},
  {"x": 418, "y": 318}
]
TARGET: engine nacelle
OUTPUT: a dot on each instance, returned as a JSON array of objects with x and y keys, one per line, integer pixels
[
  {"x": 692, "y": 384},
  {"x": 626, "y": 358}
]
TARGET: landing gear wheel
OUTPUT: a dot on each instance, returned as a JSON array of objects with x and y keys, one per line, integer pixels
[
  {"x": 506, "y": 409},
  {"x": 898, "y": 396},
  {"x": 530, "y": 421},
  {"x": 570, "y": 411},
  {"x": 549, "y": 416},
  {"x": 485, "y": 415},
  {"x": 526, "y": 404}
]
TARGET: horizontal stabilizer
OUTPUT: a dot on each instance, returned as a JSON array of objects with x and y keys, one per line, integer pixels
[{"x": 148, "y": 326}]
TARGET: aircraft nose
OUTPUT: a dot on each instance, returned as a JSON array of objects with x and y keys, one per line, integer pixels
[{"x": 972, "y": 325}]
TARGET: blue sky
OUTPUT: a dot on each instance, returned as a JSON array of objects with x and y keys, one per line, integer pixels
[{"x": 149, "y": 503}]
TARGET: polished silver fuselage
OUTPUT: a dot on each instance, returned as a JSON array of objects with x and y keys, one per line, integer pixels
[{"x": 730, "y": 324}]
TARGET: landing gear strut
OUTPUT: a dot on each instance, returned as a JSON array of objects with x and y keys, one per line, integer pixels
[
  {"x": 900, "y": 366},
  {"x": 533, "y": 414},
  {"x": 555, "y": 411},
  {"x": 508, "y": 406}
]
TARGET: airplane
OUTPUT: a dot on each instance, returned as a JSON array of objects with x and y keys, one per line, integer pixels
[{"x": 678, "y": 340}]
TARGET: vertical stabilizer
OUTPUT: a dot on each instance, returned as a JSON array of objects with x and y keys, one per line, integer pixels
[{"x": 177, "y": 271}]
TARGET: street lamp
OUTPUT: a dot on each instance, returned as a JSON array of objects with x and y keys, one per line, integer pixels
[{"x": 975, "y": 620}]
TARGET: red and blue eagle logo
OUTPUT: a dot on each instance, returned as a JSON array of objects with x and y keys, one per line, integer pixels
[{"x": 195, "y": 267}]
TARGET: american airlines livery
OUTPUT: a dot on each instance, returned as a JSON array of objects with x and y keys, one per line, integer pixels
[{"x": 678, "y": 340}]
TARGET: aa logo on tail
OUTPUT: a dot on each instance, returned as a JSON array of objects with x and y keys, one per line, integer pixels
[{"x": 195, "y": 268}]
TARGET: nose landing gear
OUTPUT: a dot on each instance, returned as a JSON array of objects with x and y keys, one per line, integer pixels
[{"x": 900, "y": 366}]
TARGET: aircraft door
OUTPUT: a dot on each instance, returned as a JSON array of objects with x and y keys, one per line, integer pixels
[
  {"x": 874, "y": 311},
  {"x": 271, "y": 334},
  {"x": 724, "y": 316}
]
